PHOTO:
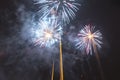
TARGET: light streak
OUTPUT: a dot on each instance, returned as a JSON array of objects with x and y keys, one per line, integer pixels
[
  {"x": 52, "y": 77},
  {"x": 48, "y": 33},
  {"x": 86, "y": 37},
  {"x": 65, "y": 9}
]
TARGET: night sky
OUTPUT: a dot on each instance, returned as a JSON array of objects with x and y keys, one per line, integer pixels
[{"x": 20, "y": 60}]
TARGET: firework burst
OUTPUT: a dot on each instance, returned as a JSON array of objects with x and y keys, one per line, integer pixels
[
  {"x": 87, "y": 38},
  {"x": 48, "y": 33},
  {"x": 65, "y": 9}
]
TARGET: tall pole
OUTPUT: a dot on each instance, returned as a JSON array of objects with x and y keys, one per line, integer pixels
[
  {"x": 61, "y": 62},
  {"x": 99, "y": 63},
  {"x": 52, "y": 76}
]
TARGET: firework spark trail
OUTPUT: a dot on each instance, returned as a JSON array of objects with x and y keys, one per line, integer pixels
[
  {"x": 65, "y": 9},
  {"x": 48, "y": 33},
  {"x": 99, "y": 63},
  {"x": 61, "y": 63},
  {"x": 51, "y": 32},
  {"x": 52, "y": 77},
  {"x": 85, "y": 39},
  {"x": 90, "y": 40}
]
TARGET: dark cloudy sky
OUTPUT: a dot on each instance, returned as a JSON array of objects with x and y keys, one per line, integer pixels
[{"x": 20, "y": 61}]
